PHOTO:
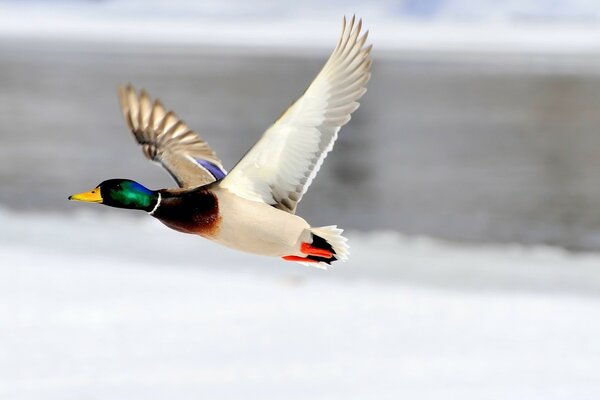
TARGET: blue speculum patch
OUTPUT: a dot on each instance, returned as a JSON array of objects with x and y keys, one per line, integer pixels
[{"x": 215, "y": 171}]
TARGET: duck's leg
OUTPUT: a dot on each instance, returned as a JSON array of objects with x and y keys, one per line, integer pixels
[
  {"x": 307, "y": 248},
  {"x": 298, "y": 259}
]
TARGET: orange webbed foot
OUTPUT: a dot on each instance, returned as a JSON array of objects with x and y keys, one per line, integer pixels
[
  {"x": 310, "y": 250},
  {"x": 299, "y": 259}
]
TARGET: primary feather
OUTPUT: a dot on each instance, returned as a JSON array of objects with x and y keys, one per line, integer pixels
[
  {"x": 282, "y": 164},
  {"x": 168, "y": 141}
]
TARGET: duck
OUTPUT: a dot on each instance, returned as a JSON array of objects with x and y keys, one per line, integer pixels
[{"x": 251, "y": 208}]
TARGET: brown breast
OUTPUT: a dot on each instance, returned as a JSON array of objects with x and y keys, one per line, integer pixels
[{"x": 193, "y": 211}]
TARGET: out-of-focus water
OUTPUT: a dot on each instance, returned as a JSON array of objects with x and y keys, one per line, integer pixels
[{"x": 465, "y": 148}]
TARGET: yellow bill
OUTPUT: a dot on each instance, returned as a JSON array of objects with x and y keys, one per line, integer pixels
[{"x": 93, "y": 196}]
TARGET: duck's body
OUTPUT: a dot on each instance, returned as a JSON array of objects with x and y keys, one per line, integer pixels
[
  {"x": 253, "y": 208},
  {"x": 223, "y": 217}
]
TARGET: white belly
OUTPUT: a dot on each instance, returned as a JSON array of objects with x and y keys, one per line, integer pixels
[{"x": 258, "y": 228}]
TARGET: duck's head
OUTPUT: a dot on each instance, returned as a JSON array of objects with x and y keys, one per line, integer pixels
[{"x": 120, "y": 193}]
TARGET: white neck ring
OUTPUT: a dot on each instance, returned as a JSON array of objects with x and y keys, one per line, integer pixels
[{"x": 157, "y": 204}]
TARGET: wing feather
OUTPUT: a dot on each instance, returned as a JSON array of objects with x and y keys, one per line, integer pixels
[
  {"x": 167, "y": 140},
  {"x": 282, "y": 164}
]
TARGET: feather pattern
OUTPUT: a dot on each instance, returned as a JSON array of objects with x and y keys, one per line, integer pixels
[
  {"x": 282, "y": 164},
  {"x": 167, "y": 140}
]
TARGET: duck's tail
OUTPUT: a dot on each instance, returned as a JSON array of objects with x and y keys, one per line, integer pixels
[
  {"x": 327, "y": 245},
  {"x": 330, "y": 238}
]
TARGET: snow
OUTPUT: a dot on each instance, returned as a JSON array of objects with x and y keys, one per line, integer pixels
[
  {"x": 118, "y": 307},
  {"x": 534, "y": 27}
]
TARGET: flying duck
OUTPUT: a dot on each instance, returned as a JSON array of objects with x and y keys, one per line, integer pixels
[{"x": 253, "y": 207}]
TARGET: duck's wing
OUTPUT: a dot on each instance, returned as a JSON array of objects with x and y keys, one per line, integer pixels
[
  {"x": 167, "y": 140},
  {"x": 282, "y": 164}
]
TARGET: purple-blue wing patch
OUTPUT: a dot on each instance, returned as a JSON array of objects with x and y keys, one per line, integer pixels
[{"x": 215, "y": 171}]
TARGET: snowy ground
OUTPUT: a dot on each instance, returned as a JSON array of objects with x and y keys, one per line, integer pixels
[{"x": 117, "y": 307}]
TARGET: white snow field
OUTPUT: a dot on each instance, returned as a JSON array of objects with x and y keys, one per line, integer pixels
[{"x": 110, "y": 306}]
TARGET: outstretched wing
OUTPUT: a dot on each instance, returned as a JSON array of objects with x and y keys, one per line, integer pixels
[
  {"x": 167, "y": 140},
  {"x": 282, "y": 164}
]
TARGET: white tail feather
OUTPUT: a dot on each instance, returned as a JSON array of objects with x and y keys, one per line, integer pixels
[{"x": 333, "y": 235}]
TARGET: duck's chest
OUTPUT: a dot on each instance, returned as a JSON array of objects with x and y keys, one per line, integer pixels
[{"x": 195, "y": 212}]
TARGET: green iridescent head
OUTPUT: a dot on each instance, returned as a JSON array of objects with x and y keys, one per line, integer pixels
[{"x": 120, "y": 193}]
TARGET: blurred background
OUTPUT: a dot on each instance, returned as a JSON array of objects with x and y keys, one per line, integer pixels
[{"x": 468, "y": 182}]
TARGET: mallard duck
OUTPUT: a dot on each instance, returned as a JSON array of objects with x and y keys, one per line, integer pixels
[{"x": 253, "y": 207}]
